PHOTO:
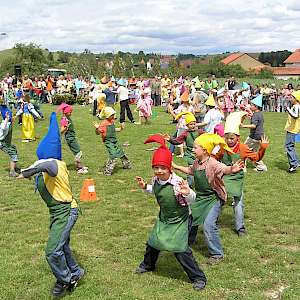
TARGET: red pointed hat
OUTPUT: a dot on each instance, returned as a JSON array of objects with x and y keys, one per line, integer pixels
[{"x": 162, "y": 156}]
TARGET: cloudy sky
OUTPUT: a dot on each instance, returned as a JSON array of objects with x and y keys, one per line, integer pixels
[{"x": 161, "y": 26}]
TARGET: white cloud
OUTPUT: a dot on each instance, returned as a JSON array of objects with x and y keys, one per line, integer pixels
[{"x": 164, "y": 26}]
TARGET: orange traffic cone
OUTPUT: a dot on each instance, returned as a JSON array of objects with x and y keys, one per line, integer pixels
[{"x": 88, "y": 191}]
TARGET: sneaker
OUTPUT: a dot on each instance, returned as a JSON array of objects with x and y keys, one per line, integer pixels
[
  {"x": 82, "y": 171},
  {"x": 293, "y": 169},
  {"x": 214, "y": 260},
  {"x": 75, "y": 280},
  {"x": 127, "y": 164},
  {"x": 106, "y": 173},
  {"x": 241, "y": 232},
  {"x": 141, "y": 270},
  {"x": 60, "y": 289},
  {"x": 199, "y": 285}
]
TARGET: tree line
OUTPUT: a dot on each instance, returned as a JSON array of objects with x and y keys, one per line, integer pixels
[{"x": 35, "y": 61}]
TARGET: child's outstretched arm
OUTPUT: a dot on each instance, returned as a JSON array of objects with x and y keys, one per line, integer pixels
[
  {"x": 49, "y": 166},
  {"x": 246, "y": 152},
  {"x": 186, "y": 170}
]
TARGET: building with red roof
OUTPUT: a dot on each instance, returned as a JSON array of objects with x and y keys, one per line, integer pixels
[
  {"x": 246, "y": 61},
  {"x": 293, "y": 60},
  {"x": 291, "y": 69}
]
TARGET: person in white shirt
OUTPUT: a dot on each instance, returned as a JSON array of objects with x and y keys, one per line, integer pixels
[{"x": 123, "y": 92}]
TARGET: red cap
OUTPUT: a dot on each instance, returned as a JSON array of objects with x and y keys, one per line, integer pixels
[{"x": 162, "y": 156}]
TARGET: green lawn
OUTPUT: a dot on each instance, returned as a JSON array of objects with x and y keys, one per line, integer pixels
[{"x": 109, "y": 237}]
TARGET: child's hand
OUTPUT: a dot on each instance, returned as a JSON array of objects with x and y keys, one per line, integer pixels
[
  {"x": 166, "y": 137},
  {"x": 239, "y": 165},
  {"x": 184, "y": 188},
  {"x": 95, "y": 125},
  {"x": 141, "y": 182},
  {"x": 264, "y": 140}
]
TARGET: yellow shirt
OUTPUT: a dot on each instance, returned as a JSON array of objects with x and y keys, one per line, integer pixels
[
  {"x": 293, "y": 122},
  {"x": 59, "y": 186}
]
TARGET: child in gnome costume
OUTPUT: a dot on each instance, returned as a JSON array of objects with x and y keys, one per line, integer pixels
[
  {"x": 107, "y": 130},
  {"x": 52, "y": 182},
  {"x": 188, "y": 137},
  {"x": 67, "y": 128},
  {"x": 210, "y": 191},
  {"x": 27, "y": 111},
  {"x": 181, "y": 126},
  {"x": 144, "y": 104},
  {"x": 256, "y": 130},
  {"x": 170, "y": 232},
  {"x": 292, "y": 128},
  {"x": 6, "y": 137},
  {"x": 234, "y": 183},
  {"x": 213, "y": 117}
]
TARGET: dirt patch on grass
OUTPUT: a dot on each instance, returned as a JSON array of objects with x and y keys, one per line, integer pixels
[
  {"x": 275, "y": 293},
  {"x": 291, "y": 248}
]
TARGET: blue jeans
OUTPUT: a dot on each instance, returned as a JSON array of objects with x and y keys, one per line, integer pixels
[
  {"x": 290, "y": 149},
  {"x": 61, "y": 260},
  {"x": 239, "y": 213},
  {"x": 211, "y": 231}
]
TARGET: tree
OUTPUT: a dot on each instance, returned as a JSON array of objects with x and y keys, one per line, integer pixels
[
  {"x": 274, "y": 58},
  {"x": 31, "y": 57}
]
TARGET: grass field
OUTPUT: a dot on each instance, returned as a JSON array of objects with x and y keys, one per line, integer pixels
[{"x": 109, "y": 237}]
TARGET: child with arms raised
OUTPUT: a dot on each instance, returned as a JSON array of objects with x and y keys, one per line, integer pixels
[{"x": 170, "y": 232}]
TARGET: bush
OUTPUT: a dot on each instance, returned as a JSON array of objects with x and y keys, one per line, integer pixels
[
  {"x": 63, "y": 98},
  {"x": 81, "y": 99}
]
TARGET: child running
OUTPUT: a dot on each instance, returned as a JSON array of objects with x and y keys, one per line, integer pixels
[
  {"x": 6, "y": 137},
  {"x": 210, "y": 191},
  {"x": 234, "y": 183},
  {"x": 67, "y": 128},
  {"x": 52, "y": 182},
  {"x": 107, "y": 130}
]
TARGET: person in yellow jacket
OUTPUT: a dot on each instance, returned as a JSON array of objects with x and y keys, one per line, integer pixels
[{"x": 292, "y": 128}]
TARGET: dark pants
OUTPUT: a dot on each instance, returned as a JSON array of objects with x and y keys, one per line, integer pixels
[
  {"x": 186, "y": 260},
  {"x": 94, "y": 107},
  {"x": 156, "y": 99},
  {"x": 125, "y": 106}
]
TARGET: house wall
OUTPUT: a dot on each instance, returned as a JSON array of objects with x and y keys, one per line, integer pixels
[
  {"x": 286, "y": 77},
  {"x": 293, "y": 65},
  {"x": 247, "y": 62}
]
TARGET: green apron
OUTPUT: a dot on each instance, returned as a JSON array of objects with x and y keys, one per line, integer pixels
[
  {"x": 70, "y": 137},
  {"x": 59, "y": 215},
  {"x": 6, "y": 145},
  {"x": 111, "y": 143},
  {"x": 170, "y": 232},
  {"x": 206, "y": 198},
  {"x": 234, "y": 183},
  {"x": 189, "y": 155}
]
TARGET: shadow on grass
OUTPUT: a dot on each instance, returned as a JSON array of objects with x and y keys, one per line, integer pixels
[
  {"x": 71, "y": 166},
  {"x": 169, "y": 267},
  {"x": 281, "y": 165}
]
